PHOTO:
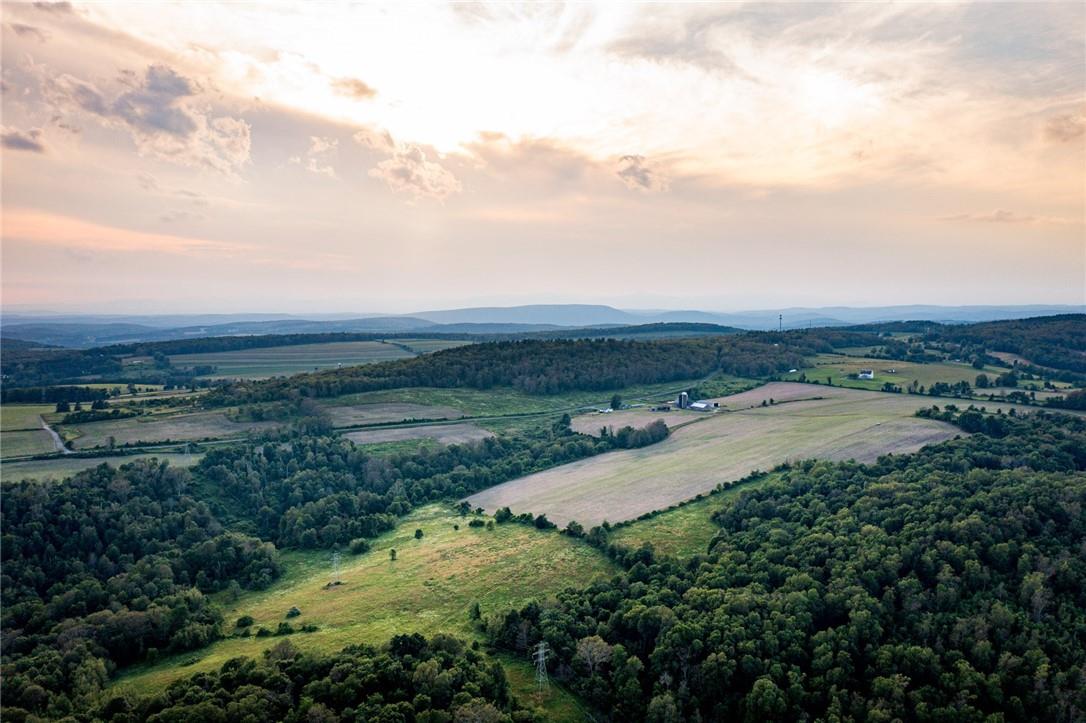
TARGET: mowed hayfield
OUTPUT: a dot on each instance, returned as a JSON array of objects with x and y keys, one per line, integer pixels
[
  {"x": 16, "y": 417},
  {"x": 428, "y": 589},
  {"x": 160, "y": 428},
  {"x": 24, "y": 444},
  {"x": 838, "y": 367},
  {"x": 276, "y": 361},
  {"x": 60, "y": 468},
  {"x": 685, "y": 530},
  {"x": 458, "y": 433},
  {"x": 727, "y": 445},
  {"x": 356, "y": 415}
]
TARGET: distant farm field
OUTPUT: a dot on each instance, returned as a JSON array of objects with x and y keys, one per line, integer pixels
[
  {"x": 59, "y": 468},
  {"x": 285, "y": 360},
  {"x": 353, "y": 415},
  {"x": 22, "y": 444},
  {"x": 161, "y": 428},
  {"x": 840, "y": 368},
  {"x": 426, "y": 346},
  {"x": 842, "y": 424},
  {"x": 441, "y": 433},
  {"x": 15, "y": 417},
  {"x": 429, "y": 588}
]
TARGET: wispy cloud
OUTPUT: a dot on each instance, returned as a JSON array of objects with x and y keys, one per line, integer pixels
[
  {"x": 317, "y": 158},
  {"x": 17, "y": 140},
  {"x": 353, "y": 88},
  {"x": 638, "y": 174},
  {"x": 1003, "y": 216}
]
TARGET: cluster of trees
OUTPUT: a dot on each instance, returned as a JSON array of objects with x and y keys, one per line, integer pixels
[
  {"x": 51, "y": 395},
  {"x": 946, "y": 585},
  {"x": 546, "y": 367},
  {"x": 22, "y": 368},
  {"x": 410, "y": 679},
  {"x": 1056, "y": 342},
  {"x": 105, "y": 569},
  {"x": 317, "y": 491},
  {"x": 629, "y": 437}
]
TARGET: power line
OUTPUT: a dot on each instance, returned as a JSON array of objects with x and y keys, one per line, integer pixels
[{"x": 541, "y": 666}]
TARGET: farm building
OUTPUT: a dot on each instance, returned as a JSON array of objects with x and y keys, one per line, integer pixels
[
  {"x": 866, "y": 374},
  {"x": 702, "y": 406}
]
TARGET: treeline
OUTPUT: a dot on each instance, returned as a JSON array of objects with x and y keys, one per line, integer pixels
[
  {"x": 547, "y": 367},
  {"x": 215, "y": 344},
  {"x": 50, "y": 367},
  {"x": 411, "y": 679},
  {"x": 320, "y": 491},
  {"x": 106, "y": 569},
  {"x": 945, "y": 585},
  {"x": 51, "y": 395}
]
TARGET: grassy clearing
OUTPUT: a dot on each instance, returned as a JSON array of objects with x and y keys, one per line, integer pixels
[
  {"x": 557, "y": 703},
  {"x": 441, "y": 433},
  {"x": 844, "y": 424},
  {"x": 352, "y": 415},
  {"x": 60, "y": 468},
  {"x": 22, "y": 444},
  {"x": 684, "y": 531},
  {"x": 23, "y": 417},
  {"x": 160, "y": 428},
  {"x": 285, "y": 360},
  {"x": 429, "y": 588},
  {"x": 838, "y": 368}
]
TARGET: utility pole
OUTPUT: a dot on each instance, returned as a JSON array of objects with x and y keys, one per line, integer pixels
[
  {"x": 541, "y": 666},
  {"x": 780, "y": 323},
  {"x": 335, "y": 566}
]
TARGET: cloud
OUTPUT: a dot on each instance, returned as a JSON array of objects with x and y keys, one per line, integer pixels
[
  {"x": 17, "y": 140},
  {"x": 181, "y": 215},
  {"x": 57, "y": 8},
  {"x": 29, "y": 31},
  {"x": 638, "y": 175},
  {"x": 160, "y": 112},
  {"x": 316, "y": 159},
  {"x": 1001, "y": 215},
  {"x": 1066, "y": 128},
  {"x": 407, "y": 169},
  {"x": 376, "y": 140},
  {"x": 353, "y": 88},
  {"x": 147, "y": 182}
]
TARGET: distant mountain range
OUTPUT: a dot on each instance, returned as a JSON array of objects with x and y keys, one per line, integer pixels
[{"x": 82, "y": 331}]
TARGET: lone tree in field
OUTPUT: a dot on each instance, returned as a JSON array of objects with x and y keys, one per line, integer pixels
[
  {"x": 392, "y": 555},
  {"x": 616, "y": 402},
  {"x": 418, "y": 534}
]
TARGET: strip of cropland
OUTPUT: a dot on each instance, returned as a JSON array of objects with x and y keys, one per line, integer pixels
[
  {"x": 804, "y": 421},
  {"x": 260, "y": 363}
]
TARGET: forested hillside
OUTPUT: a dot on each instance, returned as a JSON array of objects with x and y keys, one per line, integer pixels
[
  {"x": 946, "y": 585},
  {"x": 549, "y": 367}
]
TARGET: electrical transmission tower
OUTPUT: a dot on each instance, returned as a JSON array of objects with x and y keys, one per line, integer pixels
[
  {"x": 335, "y": 566},
  {"x": 541, "y": 666}
]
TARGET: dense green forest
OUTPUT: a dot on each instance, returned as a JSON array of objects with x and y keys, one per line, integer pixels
[{"x": 945, "y": 585}]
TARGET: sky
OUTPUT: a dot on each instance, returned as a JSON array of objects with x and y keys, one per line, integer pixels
[{"x": 294, "y": 157}]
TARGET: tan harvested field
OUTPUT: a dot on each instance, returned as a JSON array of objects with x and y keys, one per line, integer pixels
[
  {"x": 359, "y": 414},
  {"x": 637, "y": 418},
  {"x": 441, "y": 433},
  {"x": 173, "y": 428},
  {"x": 842, "y": 424}
]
